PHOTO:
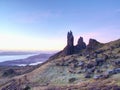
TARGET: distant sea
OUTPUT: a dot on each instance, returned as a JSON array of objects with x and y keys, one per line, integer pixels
[
  {"x": 32, "y": 64},
  {"x": 14, "y": 57}
]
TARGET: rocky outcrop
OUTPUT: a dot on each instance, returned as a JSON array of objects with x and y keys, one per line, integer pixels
[
  {"x": 79, "y": 48},
  {"x": 80, "y": 45},
  {"x": 93, "y": 44},
  {"x": 70, "y": 39},
  {"x": 69, "y": 49}
]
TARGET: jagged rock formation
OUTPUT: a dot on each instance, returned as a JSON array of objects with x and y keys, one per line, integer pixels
[
  {"x": 70, "y": 39},
  {"x": 69, "y": 49},
  {"x": 93, "y": 44},
  {"x": 80, "y": 45},
  {"x": 79, "y": 48}
]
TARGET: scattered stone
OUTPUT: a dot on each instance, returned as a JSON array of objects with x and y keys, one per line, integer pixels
[
  {"x": 102, "y": 76},
  {"x": 117, "y": 62},
  {"x": 27, "y": 88},
  {"x": 79, "y": 72},
  {"x": 87, "y": 75},
  {"x": 81, "y": 63},
  {"x": 117, "y": 70},
  {"x": 99, "y": 61},
  {"x": 99, "y": 51},
  {"x": 71, "y": 80},
  {"x": 91, "y": 64},
  {"x": 87, "y": 56},
  {"x": 97, "y": 76},
  {"x": 99, "y": 71},
  {"x": 110, "y": 72}
]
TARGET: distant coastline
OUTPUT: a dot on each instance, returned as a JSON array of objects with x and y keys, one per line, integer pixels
[
  {"x": 8, "y": 53},
  {"x": 12, "y": 57},
  {"x": 23, "y": 60}
]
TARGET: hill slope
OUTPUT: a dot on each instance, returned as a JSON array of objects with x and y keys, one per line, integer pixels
[{"x": 99, "y": 69}]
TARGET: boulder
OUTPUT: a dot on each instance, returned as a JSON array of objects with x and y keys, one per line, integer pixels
[
  {"x": 97, "y": 76},
  {"x": 110, "y": 72},
  {"x": 99, "y": 51},
  {"x": 99, "y": 61},
  {"x": 117, "y": 62},
  {"x": 91, "y": 64},
  {"x": 81, "y": 63},
  {"x": 114, "y": 71},
  {"x": 105, "y": 56},
  {"x": 102, "y": 76},
  {"x": 87, "y": 75},
  {"x": 71, "y": 80},
  {"x": 90, "y": 71},
  {"x": 117, "y": 70}
]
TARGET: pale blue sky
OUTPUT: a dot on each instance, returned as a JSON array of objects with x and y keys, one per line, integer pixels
[{"x": 43, "y": 24}]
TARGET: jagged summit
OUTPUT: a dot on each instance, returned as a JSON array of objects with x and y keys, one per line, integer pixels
[
  {"x": 70, "y": 39},
  {"x": 81, "y": 46}
]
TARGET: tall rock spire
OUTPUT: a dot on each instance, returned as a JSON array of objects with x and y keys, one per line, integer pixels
[
  {"x": 69, "y": 49},
  {"x": 70, "y": 39}
]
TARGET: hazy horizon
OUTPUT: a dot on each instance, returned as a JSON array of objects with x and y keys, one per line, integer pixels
[{"x": 42, "y": 25}]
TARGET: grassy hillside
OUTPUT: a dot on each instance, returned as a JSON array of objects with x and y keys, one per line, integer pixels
[{"x": 99, "y": 70}]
